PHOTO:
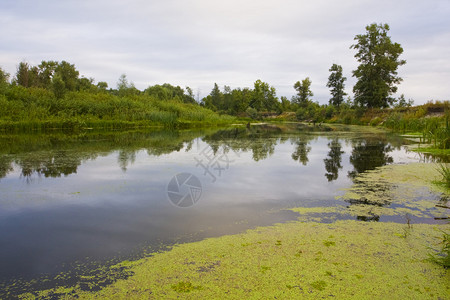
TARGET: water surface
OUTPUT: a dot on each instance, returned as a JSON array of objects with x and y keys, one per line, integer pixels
[{"x": 67, "y": 200}]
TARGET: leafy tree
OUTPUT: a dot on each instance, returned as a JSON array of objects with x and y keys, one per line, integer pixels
[
  {"x": 159, "y": 92},
  {"x": 126, "y": 88},
  {"x": 23, "y": 74},
  {"x": 264, "y": 97},
  {"x": 227, "y": 99},
  {"x": 377, "y": 73},
  {"x": 188, "y": 96},
  {"x": 102, "y": 85},
  {"x": 216, "y": 97},
  {"x": 303, "y": 92},
  {"x": 170, "y": 92},
  {"x": 46, "y": 73},
  {"x": 241, "y": 100},
  {"x": 336, "y": 83},
  {"x": 58, "y": 86},
  {"x": 85, "y": 84},
  {"x": 285, "y": 104},
  {"x": 401, "y": 102},
  {"x": 3, "y": 80},
  {"x": 68, "y": 74}
]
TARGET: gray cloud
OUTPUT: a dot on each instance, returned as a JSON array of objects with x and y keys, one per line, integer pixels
[{"x": 197, "y": 43}]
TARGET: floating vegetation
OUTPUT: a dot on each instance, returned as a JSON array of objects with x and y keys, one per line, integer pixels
[{"x": 357, "y": 266}]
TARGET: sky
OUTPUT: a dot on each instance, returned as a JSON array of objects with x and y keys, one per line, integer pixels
[{"x": 201, "y": 42}]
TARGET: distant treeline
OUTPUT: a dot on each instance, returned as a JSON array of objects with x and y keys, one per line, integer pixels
[{"x": 53, "y": 95}]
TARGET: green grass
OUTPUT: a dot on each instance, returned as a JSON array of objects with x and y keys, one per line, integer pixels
[
  {"x": 444, "y": 170},
  {"x": 443, "y": 257}
]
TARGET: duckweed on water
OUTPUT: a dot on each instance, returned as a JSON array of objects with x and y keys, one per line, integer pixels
[
  {"x": 399, "y": 190},
  {"x": 368, "y": 260}
]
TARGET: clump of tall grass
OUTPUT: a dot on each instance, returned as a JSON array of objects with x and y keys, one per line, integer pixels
[
  {"x": 444, "y": 170},
  {"x": 443, "y": 257}
]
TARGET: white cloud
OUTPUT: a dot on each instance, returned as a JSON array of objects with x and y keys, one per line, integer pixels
[{"x": 197, "y": 43}]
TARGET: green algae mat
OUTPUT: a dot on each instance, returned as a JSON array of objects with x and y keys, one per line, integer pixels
[{"x": 307, "y": 259}]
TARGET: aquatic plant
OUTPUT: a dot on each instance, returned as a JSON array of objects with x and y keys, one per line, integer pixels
[
  {"x": 444, "y": 170},
  {"x": 443, "y": 257}
]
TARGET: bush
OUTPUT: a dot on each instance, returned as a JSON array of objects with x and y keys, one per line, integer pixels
[{"x": 252, "y": 113}]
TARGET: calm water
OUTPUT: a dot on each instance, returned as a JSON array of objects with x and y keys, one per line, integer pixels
[{"x": 73, "y": 199}]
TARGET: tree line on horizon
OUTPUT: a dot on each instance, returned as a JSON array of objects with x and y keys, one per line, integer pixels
[{"x": 376, "y": 75}]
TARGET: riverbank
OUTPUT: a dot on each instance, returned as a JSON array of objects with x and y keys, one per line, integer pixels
[
  {"x": 38, "y": 109},
  {"x": 344, "y": 259}
]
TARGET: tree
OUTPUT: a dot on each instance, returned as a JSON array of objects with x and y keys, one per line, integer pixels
[
  {"x": 68, "y": 74},
  {"x": 46, "y": 72},
  {"x": 336, "y": 83},
  {"x": 126, "y": 88},
  {"x": 216, "y": 97},
  {"x": 377, "y": 73},
  {"x": 58, "y": 86},
  {"x": 85, "y": 84},
  {"x": 3, "y": 80},
  {"x": 264, "y": 97},
  {"x": 102, "y": 85},
  {"x": 401, "y": 102},
  {"x": 303, "y": 92},
  {"x": 23, "y": 74},
  {"x": 285, "y": 104}
]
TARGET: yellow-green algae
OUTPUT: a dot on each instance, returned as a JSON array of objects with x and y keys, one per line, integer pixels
[
  {"x": 346, "y": 259},
  {"x": 306, "y": 260},
  {"x": 395, "y": 190}
]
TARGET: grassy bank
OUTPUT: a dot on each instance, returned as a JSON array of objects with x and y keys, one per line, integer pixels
[{"x": 39, "y": 109}]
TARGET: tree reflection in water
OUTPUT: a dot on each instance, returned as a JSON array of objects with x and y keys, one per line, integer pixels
[{"x": 333, "y": 162}]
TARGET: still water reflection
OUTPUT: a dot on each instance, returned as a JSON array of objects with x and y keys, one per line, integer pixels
[{"x": 95, "y": 196}]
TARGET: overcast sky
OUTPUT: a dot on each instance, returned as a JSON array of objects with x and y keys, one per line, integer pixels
[{"x": 234, "y": 42}]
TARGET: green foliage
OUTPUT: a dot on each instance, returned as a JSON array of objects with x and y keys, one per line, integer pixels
[
  {"x": 237, "y": 101},
  {"x": 444, "y": 170},
  {"x": 434, "y": 130},
  {"x": 443, "y": 257},
  {"x": 3, "y": 81},
  {"x": 37, "y": 108},
  {"x": 336, "y": 83},
  {"x": 252, "y": 113},
  {"x": 264, "y": 97},
  {"x": 303, "y": 92},
  {"x": 377, "y": 73},
  {"x": 170, "y": 92},
  {"x": 124, "y": 88},
  {"x": 401, "y": 102}
]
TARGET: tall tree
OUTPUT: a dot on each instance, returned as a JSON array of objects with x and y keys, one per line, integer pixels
[
  {"x": 68, "y": 74},
  {"x": 264, "y": 97},
  {"x": 303, "y": 92},
  {"x": 336, "y": 83},
  {"x": 3, "y": 80},
  {"x": 46, "y": 72},
  {"x": 23, "y": 74},
  {"x": 216, "y": 97},
  {"x": 377, "y": 73}
]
